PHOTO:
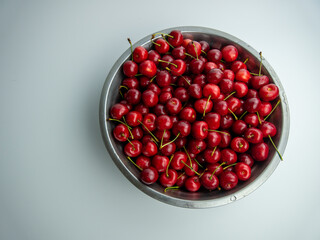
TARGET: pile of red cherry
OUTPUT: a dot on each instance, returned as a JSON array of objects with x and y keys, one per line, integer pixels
[{"x": 192, "y": 116}]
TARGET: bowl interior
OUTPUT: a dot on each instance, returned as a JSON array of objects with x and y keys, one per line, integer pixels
[{"x": 260, "y": 171}]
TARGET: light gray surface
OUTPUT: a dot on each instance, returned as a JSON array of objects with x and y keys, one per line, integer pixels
[{"x": 56, "y": 178}]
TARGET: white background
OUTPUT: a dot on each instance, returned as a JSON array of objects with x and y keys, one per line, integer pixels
[{"x": 57, "y": 180}]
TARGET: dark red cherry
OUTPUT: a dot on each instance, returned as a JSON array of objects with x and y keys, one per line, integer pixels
[
  {"x": 253, "y": 135},
  {"x": 163, "y": 78},
  {"x": 226, "y": 121},
  {"x": 194, "y": 49},
  {"x": 168, "y": 149},
  {"x": 121, "y": 132},
  {"x": 182, "y": 94},
  {"x": 133, "y": 96},
  {"x": 226, "y": 85},
  {"x": 221, "y": 108},
  {"x": 225, "y": 139},
  {"x": 228, "y": 74},
  {"x": 143, "y": 162},
  {"x": 204, "y": 46},
  {"x": 131, "y": 82},
  {"x": 174, "y": 106},
  {"x": 195, "y": 91},
  {"x": 141, "y": 108},
  {"x": 118, "y": 110},
  {"x": 252, "y": 105},
  {"x": 241, "y": 89},
  {"x": 149, "y": 149},
  {"x": 228, "y": 180},
  {"x": 182, "y": 127},
  {"x": 133, "y": 118},
  {"x": 195, "y": 146},
  {"x": 133, "y": 148},
  {"x": 166, "y": 60},
  {"x": 148, "y": 68},
  {"x": 199, "y": 130},
  {"x": 237, "y": 65},
  {"x": 175, "y": 38},
  {"x": 265, "y": 109},
  {"x": 191, "y": 170},
  {"x": 243, "y": 75},
  {"x": 260, "y": 151},
  {"x": 154, "y": 56},
  {"x": 229, "y": 53},
  {"x": 209, "y": 181},
  {"x": 251, "y": 119},
  {"x": 214, "y": 76},
  {"x": 246, "y": 158},
  {"x": 130, "y": 68},
  {"x": 213, "y": 120},
  {"x": 196, "y": 66},
  {"x": 203, "y": 105},
  {"x": 164, "y": 122},
  {"x": 160, "y": 163},
  {"x": 149, "y": 98},
  {"x": 149, "y": 175},
  {"x": 212, "y": 155},
  {"x": 259, "y": 81},
  {"x": 211, "y": 90},
  {"x": 192, "y": 184},
  {"x": 243, "y": 171},
  {"x": 161, "y": 46},
  {"x": 268, "y": 129},
  {"x": 137, "y": 133},
  {"x": 188, "y": 114},
  {"x": 228, "y": 156},
  {"x": 159, "y": 110},
  {"x": 239, "y": 144},
  {"x": 168, "y": 179},
  {"x": 164, "y": 97},
  {"x": 269, "y": 92},
  {"x": 178, "y": 160},
  {"x": 179, "y": 53},
  {"x": 239, "y": 127},
  {"x": 139, "y": 54},
  {"x": 214, "y": 55},
  {"x": 178, "y": 67}
]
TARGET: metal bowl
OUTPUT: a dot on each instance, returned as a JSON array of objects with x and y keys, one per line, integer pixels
[{"x": 261, "y": 171}]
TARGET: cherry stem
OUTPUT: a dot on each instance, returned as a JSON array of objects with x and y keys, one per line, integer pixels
[
  {"x": 204, "y": 52},
  {"x": 171, "y": 188},
  {"x": 259, "y": 118},
  {"x": 203, "y": 172},
  {"x": 169, "y": 165},
  {"x": 122, "y": 86},
  {"x": 116, "y": 120},
  {"x": 260, "y": 53},
  {"x": 159, "y": 60},
  {"x": 216, "y": 170},
  {"x": 205, "y": 108},
  {"x": 212, "y": 130},
  {"x": 198, "y": 163},
  {"x": 181, "y": 175},
  {"x": 233, "y": 114},
  {"x": 233, "y": 164},
  {"x": 134, "y": 163},
  {"x": 166, "y": 34},
  {"x": 189, "y": 55},
  {"x": 167, "y": 41},
  {"x": 170, "y": 141},
  {"x": 164, "y": 131},
  {"x": 120, "y": 93},
  {"x": 154, "y": 42},
  {"x": 229, "y": 95},
  {"x": 131, "y": 143},
  {"x": 191, "y": 168},
  {"x": 245, "y": 61},
  {"x": 139, "y": 74},
  {"x": 195, "y": 49},
  {"x": 153, "y": 78},
  {"x": 185, "y": 79},
  {"x": 275, "y": 147},
  {"x": 155, "y": 138},
  {"x": 213, "y": 150},
  {"x": 254, "y": 74},
  {"x": 273, "y": 109},
  {"x": 129, "y": 40},
  {"x": 243, "y": 115},
  {"x": 187, "y": 154}
]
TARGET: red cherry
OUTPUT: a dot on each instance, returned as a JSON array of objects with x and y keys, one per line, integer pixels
[
  {"x": 164, "y": 122},
  {"x": 149, "y": 98},
  {"x": 243, "y": 171},
  {"x": 246, "y": 158},
  {"x": 225, "y": 139},
  {"x": 252, "y": 105},
  {"x": 199, "y": 79},
  {"x": 228, "y": 74},
  {"x": 213, "y": 120},
  {"x": 179, "y": 52},
  {"x": 133, "y": 118},
  {"x": 131, "y": 82},
  {"x": 160, "y": 109},
  {"x": 118, "y": 110},
  {"x": 216, "y": 168},
  {"x": 195, "y": 91},
  {"x": 188, "y": 114},
  {"x": 181, "y": 180},
  {"x": 233, "y": 103},
  {"x": 164, "y": 97},
  {"x": 161, "y": 46},
  {"x": 237, "y": 65},
  {"x": 137, "y": 133},
  {"x": 166, "y": 60},
  {"x": 199, "y": 130},
  {"x": 168, "y": 179},
  {"x": 141, "y": 109},
  {"x": 221, "y": 108},
  {"x": 133, "y": 96},
  {"x": 133, "y": 148},
  {"x": 192, "y": 184},
  {"x": 194, "y": 49},
  {"x": 130, "y": 68},
  {"x": 226, "y": 121},
  {"x": 260, "y": 151},
  {"x": 209, "y": 182},
  {"x": 163, "y": 134},
  {"x": 241, "y": 89},
  {"x": 175, "y": 38},
  {"x": 251, "y": 119},
  {"x": 149, "y": 122},
  {"x": 212, "y": 158},
  {"x": 213, "y": 139},
  {"x": 149, "y": 175},
  {"x": 226, "y": 86},
  {"x": 149, "y": 149},
  {"x": 204, "y": 46},
  {"x": 212, "y": 90},
  {"x": 265, "y": 109},
  {"x": 196, "y": 66},
  {"x": 229, "y": 53},
  {"x": 243, "y": 75},
  {"x": 182, "y": 94},
  {"x": 168, "y": 149},
  {"x": 239, "y": 144},
  {"x": 121, "y": 132},
  {"x": 139, "y": 54},
  {"x": 203, "y": 105},
  {"x": 148, "y": 68},
  {"x": 182, "y": 127},
  {"x": 191, "y": 170},
  {"x": 180, "y": 142},
  {"x": 268, "y": 129},
  {"x": 174, "y": 106},
  {"x": 214, "y": 76},
  {"x": 259, "y": 81},
  {"x": 195, "y": 146},
  {"x": 160, "y": 163},
  {"x": 178, "y": 67},
  {"x": 154, "y": 56},
  {"x": 143, "y": 162},
  {"x": 269, "y": 92},
  {"x": 253, "y": 135},
  {"x": 228, "y": 180},
  {"x": 239, "y": 127},
  {"x": 214, "y": 55},
  {"x": 228, "y": 156},
  {"x": 154, "y": 87},
  {"x": 178, "y": 159}
]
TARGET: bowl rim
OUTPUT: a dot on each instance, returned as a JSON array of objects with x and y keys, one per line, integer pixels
[{"x": 207, "y": 203}]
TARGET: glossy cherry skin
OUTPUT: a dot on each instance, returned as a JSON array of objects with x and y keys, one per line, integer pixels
[
  {"x": 228, "y": 74},
  {"x": 195, "y": 91},
  {"x": 214, "y": 76},
  {"x": 228, "y": 180},
  {"x": 208, "y": 66},
  {"x": 168, "y": 180},
  {"x": 182, "y": 94},
  {"x": 149, "y": 175},
  {"x": 212, "y": 158},
  {"x": 243, "y": 75},
  {"x": 225, "y": 139},
  {"x": 226, "y": 122},
  {"x": 174, "y": 106},
  {"x": 133, "y": 96},
  {"x": 131, "y": 82},
  {"x": 133, "y": 118},
  {"x": 199, "y": 130},
  {"x": 239, "y": 127},
  {"x": 164, "y": 97},
  {"x": 213, "y": 120},
  {"x": 204, "y": 46},
  {"x": 251, "y": 119},
  {"x": 149, "y": 149},
  {"x": 237, "y": 65},
  {"x": 179, "y": 52},
  {"x": 214, "y": 55},
  {"x": 137, "y": 133},
  {"x": 188, "y": 114},
  {"x": 211, "y": 90},
  {"x": 154, "y": 56},
  {"x": 229, "y": 53},
  {"x": 246, "y": 158},
  {"x": 130, "y": 68},
  {"x": 148, "y": 122},
  {"x": 181, "y": 179},
  {"x": 215, "y": 167},
  {"x": 164, "y": 122},
  {"x": 178, "y": 159},
  {"x": 192, "y": 184},
  {"x": 233, "y": 103},
  {"x": 209, "y": 182},
  {"x": 141, "y": 109},
  {"x": 163, "y": 135},
  {"x": 148, "y": 68},
  {"x": 175, "y": 38},
  {"x": 143, "y": 162},
  {"x": 257, "y": 82},
  {"x": 178, "y": 67},
  {"x": 121, "y": 132},
  {"x": 213, "y": 139},
  {"x": 252, "y": 105},
  {"x": 241, "y": 89},
  {"x": 260, "y": 151},
  {"x": 226, "y": 86},
  {"x": 239, "y": 145},
  {"x": 253, "y": 135},
  {"x": 228, "y": 156},
  {"x": 149, "y": 98},
  {"x": 268, "y": 92},
  {"x": 133, "y": 149},
  {"x": 163, "y": 78},
  {"x": 165, "y": 61},
  {"x": 118, "y": 110},
  {"x": 195, "y": 146},
  {"x": 199, "y": 79},
  {"x": 161, "y": 46},
  {"x": 182, "y": 127},
  {"x": 221, "y": 108},
  {"x": 139, "y": 54},
  {"x": 168, "y": 149},
  {"x": 190, "y": 170},
  {"x": 194, "y": 49},
  {"x": 243, "y": 171},
  {"x": 160, "y": 163},
  {"x": 203, "y": 105},
  {"x": 268, "y": 128},
  {"x": 159, "y": 110},
  {"x": 180, "y": 142},
  {"x": 184, "y": 81},
  {"x": 265, "y": 109}
]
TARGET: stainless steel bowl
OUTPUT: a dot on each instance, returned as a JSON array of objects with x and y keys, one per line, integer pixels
[{"x": 260, "y": 171}]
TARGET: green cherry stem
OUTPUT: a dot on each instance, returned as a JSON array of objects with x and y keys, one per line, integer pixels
[
  {"x": 160, "y": 33},
  {"x": 152, "y": 37},
  {"x": 204, "y": 52},
  {"x": 243, "y": 115},
  {"x": 154, "y": 137},
  {"x": 170, "y": 141},
  {"x": 275, "y": 147},
  {"x": 198, "y": 163},
  {"x": 171, "y": 188},
  {"x": 259, "y": 118},
  {"x": 185, "y": 80},
  {"x": 212, "y": 130},
  {"x": 153, "y": 78},
  {"x": 245, "y": 61},
  {"x": 205, "y": 108},
  {"x": 233, "y": 164},
  {"x": 189, "y": 55},
  {"x": 116, "y": 120},
  {"x": 129, "y": 40},
  {"x": 169, "y": 165},
  {"x": 233, "y": 114},
  {"x": 229, "y": 95},
  {"x": 273, "y": 109},
  {"x": 159, "y": 60},
  {"x": 191, "y": 168},
  {"x": 254, "y": 74},
  {"x": 167, "y": 41},
  {"x": 134, "y": 163},
  {"x": 195, "y": 49},
  {"x": 216, "y": 170},
  {"x": 187, "y": 154},
  {"x": 213, "y": 150},
  {"x": 260, "y": 53}
]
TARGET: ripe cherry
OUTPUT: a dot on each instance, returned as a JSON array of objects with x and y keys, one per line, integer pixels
[
  {"x": 252, "y": 105},
  {"x": 195, "y": 91},
  {"x": 178, "y": 159},
  {"x": 175, "y": 38},
  {"x": 243, "y": 171},
  {"x": 246, "y": 158},
  {"x": 148, "y": 68},
  {"x": 221, "y": 108},
  {"x": 179, "y": 52},
  {"x": 214, "y": 76},
  {"x": 269, "y": 92},
  {"x": 212, "y": 155},
  {"x": 253, "y": 135},
  {"x": 149, "y": 149},
  {"x": 133, "y": 148},
  {"x": 260, "y": 151},
  {"x": 214, "y": 55},
  {"x": 229, "y": 53},
  {"x": 164, "y": 122},
  {"x": 212, "y": 90},
  {"x": 154, "y": 56},
  {"x": 161, "y": 46},
  {"x": 130, "y": 68},
  {"x": 182, "y": 94},
  {"x": 239, "y": 127},
  {"x": 194, "y": 49},
  {"x": 239, "y": 144},
  {"x": 209, "y": 181},
  {"x": 199, "y": 130},
  {"x": 118, "y": 110},
  {"x": 213, "y": 120},
  {"x": 149, "y": 98},
  {"x": 168, "y": 179},
  {"x": 188, "y": 114},
  {"x": 228, "y": 156},
  {"x": 257, "y": 82},
  {"x": 133, "y": 96},
  {"x": 139, "y": 54},
  {"x": 192, "y": 184},
  {"x": 143, "y": 162},
  {"x": 134, "y": 118},
  {"x": 268, "y": 129},
  {"x": 160, "y": 163},
  {"x": 149, "y": 175},
  {"x": 174, "y": 106},
  {"x": 178, "y": 67},
  {"x": 228, "y": 180},
  {"x": 121, "y": 132},
  {"x": 243, "y": 75}
]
